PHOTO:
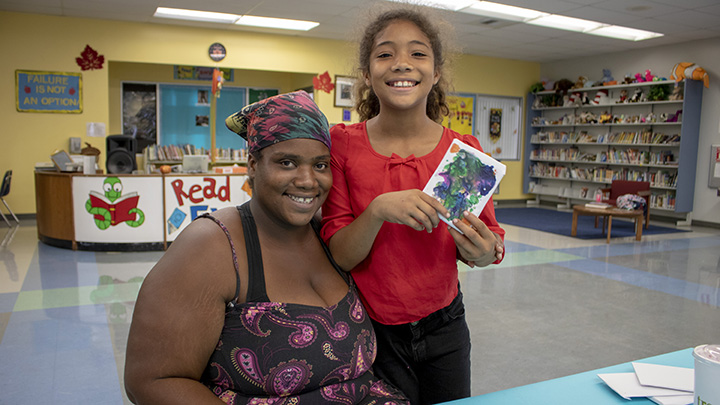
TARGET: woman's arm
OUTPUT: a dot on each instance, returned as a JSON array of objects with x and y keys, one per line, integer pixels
[{"x": 178, "y": 317}]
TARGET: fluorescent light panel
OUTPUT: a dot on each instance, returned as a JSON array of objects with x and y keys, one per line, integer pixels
[
  {"x": 535, "y": 17},
  {"x": 453, "y": 5},
  {"x": 248, "y": 20},
  {"x": 503, "y": 11},
  {"x": 195, "y": 15},
  {"x": 281, "y": 23}
]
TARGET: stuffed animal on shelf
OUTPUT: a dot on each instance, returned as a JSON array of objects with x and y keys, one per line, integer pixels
[
  {"x": 675, "y": 117},
  {"x": 628, "y": 79},
  {"x": 605, "y": 118},
  {"x": 580, "y": 83},
  {"x": 607, "y": 76},
  {"x": 676, "y": 93},
  {"x": 689, "y": 70},
  {"x": 649, "y": 76},
  {"x": 575, "y": 100},
  {"x": 601, "y": 97},
  {"x": 639, "y": 78},
  {"x": 637, "y": 96},
  {"x": 623, "y": 97},
  {"x": 563, "y": 85},
  {"x": 585, "y": 99}
]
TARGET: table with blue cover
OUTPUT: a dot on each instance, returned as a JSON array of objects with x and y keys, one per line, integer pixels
[{"x": 584, "y": 388}]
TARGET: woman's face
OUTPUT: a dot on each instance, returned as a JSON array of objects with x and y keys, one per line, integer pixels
[
  {"x": 402, "y": 67},
  {"x": 291, "y": 180}
]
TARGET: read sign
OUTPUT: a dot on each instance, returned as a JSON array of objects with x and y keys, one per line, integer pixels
[{"x": 53, "y": 92}]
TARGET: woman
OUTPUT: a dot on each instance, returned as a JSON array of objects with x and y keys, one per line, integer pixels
[{"x": 275, "y": 322}]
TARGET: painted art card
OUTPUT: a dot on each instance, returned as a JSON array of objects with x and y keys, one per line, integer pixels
[{"x": 465, "y": 179}]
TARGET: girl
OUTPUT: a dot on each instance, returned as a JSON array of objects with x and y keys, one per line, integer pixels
[{"x": 408, "y": 280}]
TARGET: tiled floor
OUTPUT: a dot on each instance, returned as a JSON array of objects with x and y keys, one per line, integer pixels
[{"x": 556, "y": 306}]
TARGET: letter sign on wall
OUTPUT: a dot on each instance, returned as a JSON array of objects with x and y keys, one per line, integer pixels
[{"x": 48, "y": 92}]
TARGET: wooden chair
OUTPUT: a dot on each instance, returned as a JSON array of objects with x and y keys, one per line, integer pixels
[
  {"x": 622, "y": 187},
  {"x": 5, "y": 190}
]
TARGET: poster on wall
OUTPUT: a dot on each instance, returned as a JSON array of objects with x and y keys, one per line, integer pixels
[
  {"x": 187, "y": 197},
  {"x": 48, "y": 92},
  {"x": 200, "y": 73},
  {"x": 255, "y": 95},
  {"x": 495, "y": 124},
  {"x": 461, "y": 114},
  {"x": 117, "y": 209}
]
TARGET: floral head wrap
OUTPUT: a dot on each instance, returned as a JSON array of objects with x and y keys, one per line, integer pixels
[{"x": 280, "y": 118}]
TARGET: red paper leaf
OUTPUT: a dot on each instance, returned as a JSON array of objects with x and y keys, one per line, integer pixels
[
  {"x": 89, "y": 59},
  {"x": 323, "y": 82}
]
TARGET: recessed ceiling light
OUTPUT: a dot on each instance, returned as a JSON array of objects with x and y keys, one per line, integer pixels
[
  {"x": 280, "y": 23},
  {"x": 565, "y": 23},
  {"x": 195, "y": 15}
]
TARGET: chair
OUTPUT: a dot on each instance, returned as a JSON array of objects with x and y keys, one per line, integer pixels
[
  {"x": 5, "y": 190},
  {"x": 622, "y": 187}
]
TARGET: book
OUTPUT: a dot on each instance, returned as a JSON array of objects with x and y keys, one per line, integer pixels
[
  {"x": 465, "y": 179},
  {"x": 596, "y": 204},
  {"x": 119, "y": 209}
]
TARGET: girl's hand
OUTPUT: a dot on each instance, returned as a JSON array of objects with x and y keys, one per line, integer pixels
[
  {"x": 409, "y": 207},
  {"x": 479, "y": 246}
]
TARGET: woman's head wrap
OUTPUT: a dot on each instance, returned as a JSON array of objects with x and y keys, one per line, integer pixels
[{"x": 280, "y": 118}]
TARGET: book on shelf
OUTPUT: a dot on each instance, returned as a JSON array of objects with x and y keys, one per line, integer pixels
[
  {"x": 597, "y": 204},
  {"x": 465, "y": 179}
]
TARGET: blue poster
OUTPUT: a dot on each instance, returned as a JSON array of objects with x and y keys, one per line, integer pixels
[{"x": 53, "y": 92}]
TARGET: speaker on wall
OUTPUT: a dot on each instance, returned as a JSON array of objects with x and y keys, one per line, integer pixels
[{"x": 121, "y": 154}]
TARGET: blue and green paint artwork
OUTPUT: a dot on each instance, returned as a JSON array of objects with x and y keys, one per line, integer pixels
[{"x": 465, "y": 180}]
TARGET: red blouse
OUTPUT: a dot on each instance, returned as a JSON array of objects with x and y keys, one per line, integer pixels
[{"x": 408, "y": 274}]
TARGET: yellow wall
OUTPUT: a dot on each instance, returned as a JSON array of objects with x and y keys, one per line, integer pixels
[{"x": 47, "y": 43}]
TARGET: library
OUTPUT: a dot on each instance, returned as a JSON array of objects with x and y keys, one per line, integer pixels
[{"x": 115, "y": 106}]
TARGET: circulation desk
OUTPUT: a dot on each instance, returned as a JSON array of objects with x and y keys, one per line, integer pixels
[{"x": 146, "y": 211}]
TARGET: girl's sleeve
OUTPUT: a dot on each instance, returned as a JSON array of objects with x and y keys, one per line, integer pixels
[
  {"x": 488, "y": 213},
  {"x": 337, "y": 210}
]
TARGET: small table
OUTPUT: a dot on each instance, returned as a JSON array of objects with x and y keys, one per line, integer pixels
[{"x": 608, "y": 214}]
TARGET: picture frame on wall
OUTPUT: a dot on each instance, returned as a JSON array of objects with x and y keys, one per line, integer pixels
[{"x": 343, "y": 91}]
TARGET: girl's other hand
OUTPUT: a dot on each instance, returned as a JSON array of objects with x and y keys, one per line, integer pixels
[
  {"x": 479, "y": 246},
  {"x": 409, "y": 207}
]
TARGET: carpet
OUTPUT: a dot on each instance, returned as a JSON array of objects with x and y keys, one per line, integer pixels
[{"x": 560, "y": 223}]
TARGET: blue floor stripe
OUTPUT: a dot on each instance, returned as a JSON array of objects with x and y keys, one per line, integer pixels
[
  {"x": 679, "y": 288},
  {"x": 53, "y": 267},
  {"x": 635, "y": 248}
]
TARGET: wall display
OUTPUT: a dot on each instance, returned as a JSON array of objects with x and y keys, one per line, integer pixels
[
  {"x": 90, "y": 59},
  {"x": 343, "y": 91},
  {"x": 48, "y": 92},
  {"x": 216, "y": 52},
  {"x": 461, "y": 114},
  {"x": 498, "y": 125},
  {"x": 139, "y": 113},
  {"x": 578, "y": 144},
  {"x": 187, "y": 197},
  {"x": 200, "y": 73},
  {"x": 255, "y": 95},
  {"x": 112, "y": 209}
]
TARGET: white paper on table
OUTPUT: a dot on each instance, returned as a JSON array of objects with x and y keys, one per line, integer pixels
[
  {"x": 655, "y": 375},
  {"x": 674, "y": 400},
  {"x": 627, "y": 386}
]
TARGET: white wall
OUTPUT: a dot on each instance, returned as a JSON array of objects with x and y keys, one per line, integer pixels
[{"x": 660, "y": 60}]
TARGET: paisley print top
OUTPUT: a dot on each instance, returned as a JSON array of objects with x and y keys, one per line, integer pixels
[{"x": 277, "y": 353}]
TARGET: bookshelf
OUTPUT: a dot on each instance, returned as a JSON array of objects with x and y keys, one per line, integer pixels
[{"x": 573, "y": 150}]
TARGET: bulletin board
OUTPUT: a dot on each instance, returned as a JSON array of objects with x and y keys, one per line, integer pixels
[
  {"x": 497, "y": 125},
  {"x": 48, "y": 92}
]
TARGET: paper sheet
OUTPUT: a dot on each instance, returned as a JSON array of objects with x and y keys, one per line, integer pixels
[
  {"x": 675, "y": 400},
  {"x": 655, "y": 375},
  {"x": 627, "y": 386}
]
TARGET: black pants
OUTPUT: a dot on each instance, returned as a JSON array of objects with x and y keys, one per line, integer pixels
[{"x": 428, "y": 360}]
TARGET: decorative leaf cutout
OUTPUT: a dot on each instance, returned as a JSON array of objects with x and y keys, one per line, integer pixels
[
  {"x": 89, "y": 59},
  {"x": 323, "y": 82}
]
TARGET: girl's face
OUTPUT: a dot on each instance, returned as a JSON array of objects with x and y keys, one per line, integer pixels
[
  {"x": 291, "y": 180},
  {"x": 402, "y": 67}
]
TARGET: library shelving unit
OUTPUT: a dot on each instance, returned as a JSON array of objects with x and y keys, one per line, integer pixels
[{"x": 574, "y": 150}]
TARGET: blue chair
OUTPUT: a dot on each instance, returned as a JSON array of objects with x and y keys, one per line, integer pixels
[{"x": 5, "y": 190}]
